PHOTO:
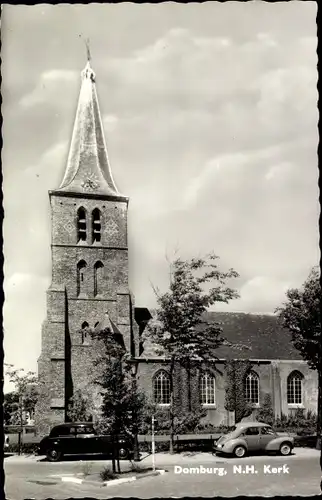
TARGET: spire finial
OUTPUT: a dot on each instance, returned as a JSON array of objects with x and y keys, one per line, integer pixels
[
  {"x": 88, "y": 50},
  {"x": 88, "y": 72}
]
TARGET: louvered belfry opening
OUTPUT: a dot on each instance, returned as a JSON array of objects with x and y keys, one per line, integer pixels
[
  {"x": 96, "y": 218},
  {"x": 81, "y": 224}
]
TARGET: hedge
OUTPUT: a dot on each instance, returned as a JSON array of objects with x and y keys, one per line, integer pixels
[
  {"x": 163, "y": 446},
  {"x": 26, "y": 448}
]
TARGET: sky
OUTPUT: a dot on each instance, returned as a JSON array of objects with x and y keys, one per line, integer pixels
[{"x": 210, "y": 115}]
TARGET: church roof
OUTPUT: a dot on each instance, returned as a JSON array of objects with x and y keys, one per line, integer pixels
[
  {"x": 88, "y": 169},
  {"x": 108, "y": 325},
  {"x": 261, "y": 333}
]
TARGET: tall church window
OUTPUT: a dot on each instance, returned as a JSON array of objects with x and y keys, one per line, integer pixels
[
  {"x": 161, "y": 388},
  {"x": 81, "y": 270},
  {"x": 98, "y": 278},
  {"x": 96, "y": 225},
  {"x": 294, "y": 388},
  {"x": 252, "y": 388},
  {"x": 81, "y": 224},
  {"x": 208, "y": 387}
]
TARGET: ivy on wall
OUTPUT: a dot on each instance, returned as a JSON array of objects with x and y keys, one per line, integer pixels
[{"x": 235, "y": 400}]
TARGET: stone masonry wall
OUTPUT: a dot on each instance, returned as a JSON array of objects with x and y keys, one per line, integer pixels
[
  {"x": 64, "y": 220},
  {"x": 309, "y": 385},
  {"x": 272, "y": 380},
  {"x": 67, "y": 310}
]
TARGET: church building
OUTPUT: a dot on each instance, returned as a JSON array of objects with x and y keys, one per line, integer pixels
[{"x": 89, "y": 289}]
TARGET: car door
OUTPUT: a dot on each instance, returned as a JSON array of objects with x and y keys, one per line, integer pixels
[
  {"x": 267, "y": 434},
  {"x": 64, "y": 438},
  {"x": 252, "y": 438},
  {"x": 85, "y": 438},
  {"x": 104, "y": 444}
]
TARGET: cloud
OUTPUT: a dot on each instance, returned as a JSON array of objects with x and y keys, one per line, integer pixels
[
  {"x": 110, "y": 122},
  {"x": 51, "y": 86},
  {"x": 23, "y": 318},
  {"x": 211, "y": 125},
  {"x": 276, "y": 172},
  {"x": 34, "y": 223},
  {"x": 260, "y": 294}
]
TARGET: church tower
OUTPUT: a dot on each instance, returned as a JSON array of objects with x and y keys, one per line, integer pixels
[{"x": 89, "y": 263}]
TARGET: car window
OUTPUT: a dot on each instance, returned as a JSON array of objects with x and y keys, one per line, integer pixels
[
  {"x": 267, "y": 431},
  {"x": 60, "y": 431},
  {"x": 252, "y": 431},
  {"x": 84, "y": 430}
]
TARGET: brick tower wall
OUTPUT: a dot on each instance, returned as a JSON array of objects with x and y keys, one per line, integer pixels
[{"x": 65, "y": 364}]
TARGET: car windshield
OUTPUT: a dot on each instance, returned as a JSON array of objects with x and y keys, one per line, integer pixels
[{"x": 232, "y": 432}]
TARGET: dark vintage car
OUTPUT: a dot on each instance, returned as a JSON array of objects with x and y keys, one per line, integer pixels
[{"x": 80, "y": 439}]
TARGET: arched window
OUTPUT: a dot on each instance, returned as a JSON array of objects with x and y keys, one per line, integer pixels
[
  {"x": 81, "y": 269},
  {"x": 252, "y": 388},
  {"x": 96, "y": 225},
  {"x": 85, "y": 332},
  {"x": 98, "y": 278},
  {"x": 81, "y": 224},
  {"x": 208, "y": 387},
  {"x": 294, "y": 388},
  {"x": 161, "y": 388}
]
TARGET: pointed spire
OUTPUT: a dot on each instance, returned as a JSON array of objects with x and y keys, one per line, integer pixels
[{"x": 88, "y": 169}]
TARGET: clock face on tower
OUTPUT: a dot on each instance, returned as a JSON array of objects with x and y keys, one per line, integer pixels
[{"x": 90, "y": 183}]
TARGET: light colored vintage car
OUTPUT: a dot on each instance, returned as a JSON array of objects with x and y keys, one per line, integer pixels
[{"x": 253, "y": 436}]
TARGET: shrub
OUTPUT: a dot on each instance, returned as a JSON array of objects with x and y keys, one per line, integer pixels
[
  {"x": 206, "y": 428},
  {"x": 86, "y": 468},
  {"x": 297, "y": 422},
  {"x": 107, "y": 475},
  {"x": 26, "y": 448},
  {"x": 307, "y": 431},
  {"x": 160, "y": 446},
  {"x": 188, "y": 423}
]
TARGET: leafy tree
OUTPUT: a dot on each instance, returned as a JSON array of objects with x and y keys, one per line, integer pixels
[
  {"x": 181, "y": 329},
  {"x": 26, "y": 394},
  {"x": 120, "y": 399},
  {"x": 301, "y": 315},
  {"x": 10, "y": 404},
  {"x": 80, "y": 407}
]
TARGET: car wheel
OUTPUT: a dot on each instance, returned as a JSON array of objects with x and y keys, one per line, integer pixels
[
  {"x": 54, "y": 455},
  {"x": 240, "y": 451},
  {"x": 285, "y": 449},
  {"x": 123, "y": 453}
]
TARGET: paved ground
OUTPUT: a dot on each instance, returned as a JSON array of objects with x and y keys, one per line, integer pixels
[{"x": 33, "y": 478}]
